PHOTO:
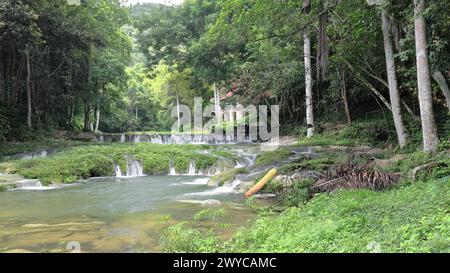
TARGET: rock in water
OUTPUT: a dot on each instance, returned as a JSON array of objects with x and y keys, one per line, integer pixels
[
  {"x": 265, "y": 196},
  {"x": 211, "y": 203}
]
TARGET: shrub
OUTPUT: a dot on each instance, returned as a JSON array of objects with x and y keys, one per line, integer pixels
[
  {"x": 182, "y": 238},
  {"x": 5, "y": 127},
  {"x": 98, "y": 160}
]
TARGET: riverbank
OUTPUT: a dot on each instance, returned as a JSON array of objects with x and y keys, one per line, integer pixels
[
  {"x": 385, "y": 200},
  {"x": 412, "y": 216}
]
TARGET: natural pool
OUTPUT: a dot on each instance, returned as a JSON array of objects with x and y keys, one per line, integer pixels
[{"x": 111, "y": 214}]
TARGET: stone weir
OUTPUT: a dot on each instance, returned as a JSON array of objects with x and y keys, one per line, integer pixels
[{"x": 210, "y": 139}]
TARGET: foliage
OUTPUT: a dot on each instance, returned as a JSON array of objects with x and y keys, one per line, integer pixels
[
  {"x": 5, "y": 127},
  {"x": 182, "y": 238},
  {"x": 412, "y": 218},
  {"x": 358, "y": 133},
  {"x": 211, "y": 213},
  {"x": 92, "y": 161}
]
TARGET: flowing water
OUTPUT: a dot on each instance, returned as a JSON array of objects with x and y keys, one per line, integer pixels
[
  {"x": 172, "y": 139},
  {"x": 125, "y": 213},
  {"x": 110, "y": 214}
]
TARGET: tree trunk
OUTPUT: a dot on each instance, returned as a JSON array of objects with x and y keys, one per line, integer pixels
[
  {"x": 308, "y": 79},
  {"x": 308, "y": 86},
  {"x": 429, "y": 129},
  {"x": 392, "y": 81},
  {"x": 178, "y": 112},
  {"x": 440, "y": 79},
  {"x": 97, "y": 115},
  {"x": 28, "y": 89},
  {"x": 2, "y": 82},
  {"x": 322, "y": 46},
  {"x": 217, "y": 105},
  {"x": 344, "y": 96},
  {"x": 86, "y": 116},
  {"x": 72, "y": 111}
]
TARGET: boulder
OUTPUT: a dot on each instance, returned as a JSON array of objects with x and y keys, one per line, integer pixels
[
  {"x": 265, "y": 196},
  {"x": 211, "y": 203}
]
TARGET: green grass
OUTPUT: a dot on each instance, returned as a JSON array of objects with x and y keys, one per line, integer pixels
[
  {"x": 418, "y": 158},
  {"x": 358, "y": 133},
  {"x": 98, "y": 160},
  {"x": 268, "y": 157},
  {"x": 411, "y": 218},
  {"x": 9, "y": 150}
]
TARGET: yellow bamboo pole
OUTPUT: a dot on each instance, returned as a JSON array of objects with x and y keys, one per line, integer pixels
[{"x": 258, "y": 186}]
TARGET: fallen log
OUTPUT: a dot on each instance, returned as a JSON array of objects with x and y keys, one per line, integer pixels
[
  {"x": 421, "y": 168},
  {"x": 258, "y": 186}
]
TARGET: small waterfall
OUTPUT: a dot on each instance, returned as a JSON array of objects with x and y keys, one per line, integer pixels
[
  {"x": 32, "y": 155},
  {"x": 157, "y": 139},
  {"x": 31, "y": 184},
  {"x": 249, "y": 161},
  {"x": 137, "y": 138},
  {"x": 134, "y": 168},
  {"x": 117, "y": 170},
  {"x": 192, "y": 169},
  {"x": 172, "y": 168},
  {"x": 179, "y": 138},
  {"x": 211, "y": 171},
  {"x": 240, "y": 163}
]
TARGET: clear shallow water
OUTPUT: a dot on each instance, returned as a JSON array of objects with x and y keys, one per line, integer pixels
[{"x": 109, "y": 214}]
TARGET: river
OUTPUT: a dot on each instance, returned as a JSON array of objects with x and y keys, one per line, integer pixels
[{"x": 111, "y": 214}]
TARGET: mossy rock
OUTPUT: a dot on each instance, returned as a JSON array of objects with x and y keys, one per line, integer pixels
[
  {"x": 226, "y": 177},
  {"x": 7, "y": 167}
]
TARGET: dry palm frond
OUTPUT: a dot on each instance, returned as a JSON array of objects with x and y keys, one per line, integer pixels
[{"x": 355, "y": 176}]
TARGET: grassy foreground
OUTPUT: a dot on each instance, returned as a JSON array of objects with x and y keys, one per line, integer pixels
[
  {"x": 98, "y": 160},
  {"x": 411, "y": 218}
]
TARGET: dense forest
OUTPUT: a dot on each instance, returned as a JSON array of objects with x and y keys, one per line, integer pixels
[
  {"x": 105, "y": 67},
  {"x": 90, "y": 91}
]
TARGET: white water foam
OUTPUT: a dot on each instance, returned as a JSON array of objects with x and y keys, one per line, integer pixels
[
  {"x": 117, "y": 170},
  {"x": 198, "y": 181},
  {"x": 172, "y": 168},
  {"x": 134, "y": 168},
  {"x": 192, "y": 169},
  {"x": 225, "y": 189},
  {"x": 32, "y": 185}
]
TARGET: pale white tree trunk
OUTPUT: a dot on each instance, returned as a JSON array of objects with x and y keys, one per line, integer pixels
[
  {"x": 429, "y": 129},
  {"x": 178, "y": 112},
  {"x": 308, "y": 86},
  {"x": 28, "y": 89},
  {"x": 440, "y": 79},
  {"x": 217, "y": 105},
  {"x": 392, "y": 82},
  {"x": 97, "y": 120}
]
